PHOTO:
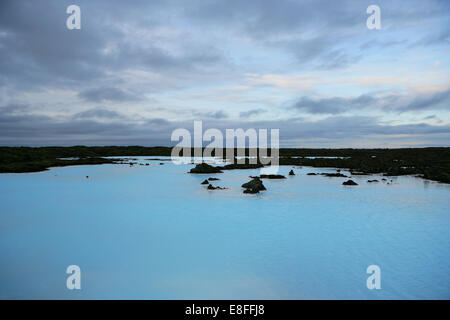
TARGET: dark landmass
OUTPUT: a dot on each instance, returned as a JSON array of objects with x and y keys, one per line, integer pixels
[
  {"x": 42, "y": 165},
  {"x": 349, "y": 183},
  {"x": 429, "y": 163}
]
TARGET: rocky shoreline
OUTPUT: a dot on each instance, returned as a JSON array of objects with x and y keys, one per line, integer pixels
[{"x": 428, "y": 163}]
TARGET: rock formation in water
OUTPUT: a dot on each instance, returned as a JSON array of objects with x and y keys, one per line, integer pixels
[
  {"x": 205, "y": 168},
  {"x": 233, "y": 166},
  {"x": 211, "y": 187},
  {"x": 272, "y": 176},
  {"x": 337, "y": 174},
  {"x": 349, "y": 183},
  {"x": 205, "y": 182},
  {"x": 254, "y": 186},
  {"x": 291, "y": 173}
]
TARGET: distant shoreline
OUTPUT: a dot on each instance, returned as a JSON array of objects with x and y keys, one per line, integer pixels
[{"x": 431, "y": 163}]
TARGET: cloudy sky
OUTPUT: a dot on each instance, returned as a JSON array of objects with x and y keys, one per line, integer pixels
[{"x": 139, "y": 69}]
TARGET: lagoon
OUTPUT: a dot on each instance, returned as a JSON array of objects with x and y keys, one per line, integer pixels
[{"x": 153, "y": 232}]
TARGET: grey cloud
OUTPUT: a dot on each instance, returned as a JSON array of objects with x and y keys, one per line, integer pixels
[
  {"x": 219, "y": 115},
  {"x": 265, "y": 17},
  {"x": 320, "y": 34},
  {"x": 97, "y": 113},
  {"x": 36, "y": 48},
  {"x": 14, "y": 109},
  {"x": 213, "y": 114},
  {"x": 334, "y": 105},
  {"x": 389, "y": 103},
  {"x": 38, "y": 53},
  {"x": 108, "y": 94},
  {"x": 158, "y": 122},
  {"x": 41, "y": 50},
  {"x": 436, "y": 100},
  {"x": 44, "y": 130},
  {"x": 249, "y": 113},
  {"x": 322, "y": 52}
]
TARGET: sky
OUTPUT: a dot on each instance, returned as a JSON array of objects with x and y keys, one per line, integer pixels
[{"x": 137, "y": 70}]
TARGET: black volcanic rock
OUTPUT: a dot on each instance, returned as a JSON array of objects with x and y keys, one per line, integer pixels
[
  {"x": 213, "y": 179},
  {"x": 205, "y": 168},
  {"x": 253, "y": 186},
  {"x": 337, "y": 174},
  {"x": 372, "y": 180},
  {"x": 251, "y": 191},
  {"x": 349, "y": 183},
  {"x": 205, "y": 182},
  {"x": 211, "y": 187},
  {"x": 233, "y": 166},
  {"x": 291, "y": 173},
  {"x": 311, "y": 174},
  {"x": 272, "y": 176}
]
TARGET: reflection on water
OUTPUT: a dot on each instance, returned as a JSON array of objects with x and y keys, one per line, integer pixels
[{"x": 154, "y": 232}]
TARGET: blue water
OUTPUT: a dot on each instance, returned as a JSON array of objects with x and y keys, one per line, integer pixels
[{"x": 154, "y": 232}]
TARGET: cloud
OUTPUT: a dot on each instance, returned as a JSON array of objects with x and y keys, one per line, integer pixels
[
  {"x": 36, "y": 49},
  {"x": 14, "y": 109},
  {"x": 391, "y": 103},
  {"x": 439, "y": 99},
  {"x": 249, "y": 113},
  {"x": 97, "y": 113},
  {"x": 29, "y": 129},
  {"x": 108, "y": 94},
  {"x": 334, "y": 105},
  {"x": 177, "y": 55},
  {"x": 213, "y": 114}
]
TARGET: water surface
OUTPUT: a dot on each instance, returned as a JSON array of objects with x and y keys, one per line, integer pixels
[{"x": 153, "y": 232}]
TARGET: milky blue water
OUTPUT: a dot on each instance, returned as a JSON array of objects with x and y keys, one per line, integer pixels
[{"x": 154, "y": 232}]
